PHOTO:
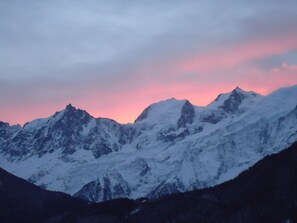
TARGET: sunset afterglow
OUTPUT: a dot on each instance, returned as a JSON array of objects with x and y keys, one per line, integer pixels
[{"x": 113, "y": 58}]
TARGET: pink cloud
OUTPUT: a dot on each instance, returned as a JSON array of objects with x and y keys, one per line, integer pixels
[
  {"x": 286, "y": 66},
  {"x": 235, "y": 55}
]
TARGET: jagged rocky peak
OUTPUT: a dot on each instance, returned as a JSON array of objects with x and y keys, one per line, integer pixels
[
  {"x": 70, "y": 113},
  {"x": 69, "y": 116},
  {"x": 70, "y": 109},
  {"x": 60, "y": 131}
]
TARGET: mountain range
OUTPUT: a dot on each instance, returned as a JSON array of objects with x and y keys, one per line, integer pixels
[
  {"x": 173, "y": 146},
  {"x": 266, "y": 192}
]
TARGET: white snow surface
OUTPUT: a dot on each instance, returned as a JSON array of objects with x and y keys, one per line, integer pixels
[
  {"x": 164, "y": 112},
  {"x": 209, "y": 154}
]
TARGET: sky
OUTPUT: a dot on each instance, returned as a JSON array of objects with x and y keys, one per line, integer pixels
[{"x": 114, "y": 58}]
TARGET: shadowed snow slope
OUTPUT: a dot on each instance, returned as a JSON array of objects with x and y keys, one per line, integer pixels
[{"x": 173, "y": 146}]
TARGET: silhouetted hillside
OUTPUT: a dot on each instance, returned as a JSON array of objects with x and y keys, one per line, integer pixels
[{"x": 21, "y": 201}]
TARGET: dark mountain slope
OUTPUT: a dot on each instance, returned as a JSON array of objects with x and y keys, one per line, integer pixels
[
  {"x": 267, "y": 192},
  {"x": 112, "y": 211},
  {"x": 21, "y": 201}
]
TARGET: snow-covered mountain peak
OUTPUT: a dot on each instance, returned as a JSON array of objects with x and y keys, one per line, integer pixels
[
  {"x": 167, "y": 111},
  {"x": 70, "y": 107},
  {"x": 232, "y": 101},
  {"x": 280, "y": 102},
  {"x": 70, "y": 110},
  {"x": 243, "y": 93},
  {"x": 69, "y": 116}
]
